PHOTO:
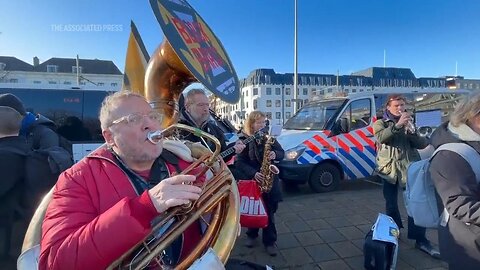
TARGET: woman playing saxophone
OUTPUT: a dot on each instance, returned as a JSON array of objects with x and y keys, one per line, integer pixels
[{"x": 256, "y": 163}]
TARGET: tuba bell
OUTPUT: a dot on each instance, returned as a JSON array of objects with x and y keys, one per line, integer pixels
[{"x": 189, "y": 53}]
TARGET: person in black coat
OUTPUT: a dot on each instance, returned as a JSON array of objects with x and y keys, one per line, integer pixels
[
  {"x": 458, "y": 188},
  {"x": 250, "y": 161},
  {"x": 13, "y": 150},
  {"x": 37, "y": 129},
  {"x": 196, "y": 113}
]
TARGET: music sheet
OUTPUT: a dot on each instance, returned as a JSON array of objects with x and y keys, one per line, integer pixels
[{"x": 428, "y": 118}]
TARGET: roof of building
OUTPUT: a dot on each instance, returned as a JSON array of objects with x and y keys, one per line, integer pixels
[
  {"x": 374, "y": 76},
  {"x": 268, "y": 76},
  {"x": 89, "y": 66},
  {"x": 386, "y": 73},
  {"x": 15, "y": 64}
]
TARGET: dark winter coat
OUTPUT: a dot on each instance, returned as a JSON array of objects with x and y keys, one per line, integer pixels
[
  {"x": 459, "y": 191},
  {"x": 208, "y": 126},
  {"x": 12, "y": 170},
  {"x": 249, "y": 162},
  {"x": 41, "y": 134}
]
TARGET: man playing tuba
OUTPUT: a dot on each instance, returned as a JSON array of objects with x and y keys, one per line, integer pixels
[{"x": 104, "y": 205}]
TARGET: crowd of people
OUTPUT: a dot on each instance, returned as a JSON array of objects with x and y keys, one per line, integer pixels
[{"x": 120, "y": 188}]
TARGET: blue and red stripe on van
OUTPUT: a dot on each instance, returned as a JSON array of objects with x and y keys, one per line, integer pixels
[{"x": 355, "y": 151}]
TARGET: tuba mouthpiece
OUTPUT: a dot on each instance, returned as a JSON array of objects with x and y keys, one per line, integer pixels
[{"x": 155, "y": 136}]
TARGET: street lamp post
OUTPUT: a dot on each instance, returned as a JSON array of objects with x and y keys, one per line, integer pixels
[
  {"x": 283, "y": 104},
  {"x": 295, "y": 74}
]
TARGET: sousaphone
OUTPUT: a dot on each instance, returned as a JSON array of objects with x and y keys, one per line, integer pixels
[{"x": 189, "y": 53}]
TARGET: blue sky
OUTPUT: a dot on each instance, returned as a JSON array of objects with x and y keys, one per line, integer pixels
[{"x": 428, "y": 36}]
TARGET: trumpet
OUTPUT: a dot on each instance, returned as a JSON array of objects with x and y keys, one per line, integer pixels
[{"x": 409, "y": 126}]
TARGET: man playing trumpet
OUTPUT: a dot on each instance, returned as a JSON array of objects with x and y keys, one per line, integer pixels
[
  {"x": 398, "y": 143},
  {"x": 104, "y": 205}
]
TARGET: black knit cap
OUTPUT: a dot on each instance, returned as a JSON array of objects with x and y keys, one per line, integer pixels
[{"x": 10, "y": 100}]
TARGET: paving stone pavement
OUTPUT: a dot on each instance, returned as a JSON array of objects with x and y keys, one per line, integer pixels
[{"x": 327, "y": 230}]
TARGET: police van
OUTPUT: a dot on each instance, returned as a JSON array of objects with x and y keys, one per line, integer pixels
[
  {"x": 332, "y": 139},
  {"x": 75, "y": 114}
]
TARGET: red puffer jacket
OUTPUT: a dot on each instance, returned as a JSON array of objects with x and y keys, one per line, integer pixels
[{"x": 94, "y": 217}]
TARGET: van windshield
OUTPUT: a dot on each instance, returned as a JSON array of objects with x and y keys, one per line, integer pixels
[{"x": 314, "y": 115}]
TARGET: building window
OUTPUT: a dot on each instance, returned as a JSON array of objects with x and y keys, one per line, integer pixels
[
  {"x": 269, "y": 115},
  {"x": 14, "y": 80},
  {"x": 100, "y": 84},
  {"x": 287, "y": 91},
  {"x": 298, "y": 92},
  {"x": 74, "y": 69},
  {"x": 305, "y": 91},
  {"x": 277, "y": 91},
  {"x": 67, "y": 82},
  {"x": 278, "y": 103},
  {"x": 288, "y": 103},
  {"x": 246, "y": 105},
  {"x": 269, "y": 103},
  {"x": 278, "y": 115},
  {"x": 269, "y": 91},
  {"x": 114, "y": 84},
  {"x": 255, "y": 104},
  {"x": 288, "y": 115},
  {"x": 83, "y": 83},
  {"x": 52, "y": 68},
  {"x": 37, "y": 82},
  {"x": 2, "y": 66},
  {"x": 255, "y": 91},
  {"x": 52, "y": 82},
  {"x": 306, "y": 101}
]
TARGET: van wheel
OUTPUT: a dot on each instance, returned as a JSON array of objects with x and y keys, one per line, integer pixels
[{"x": 324, "y": 178}]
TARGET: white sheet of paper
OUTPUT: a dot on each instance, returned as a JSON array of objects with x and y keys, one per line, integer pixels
[{"x": 428, "y": 118}]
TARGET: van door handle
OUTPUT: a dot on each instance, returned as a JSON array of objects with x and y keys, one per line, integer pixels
[{"x": 370, "y": 136}]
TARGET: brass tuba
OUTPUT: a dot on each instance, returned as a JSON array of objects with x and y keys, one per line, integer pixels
[{"x": 196, "y": 55}]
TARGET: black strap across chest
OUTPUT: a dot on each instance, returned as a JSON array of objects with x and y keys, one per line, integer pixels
[{"x": 158, "y": 172}]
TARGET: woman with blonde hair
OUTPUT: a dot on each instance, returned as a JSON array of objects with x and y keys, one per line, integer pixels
[
  {"x": 458, "y": 188},
  {"x": 249, "y": 162}
]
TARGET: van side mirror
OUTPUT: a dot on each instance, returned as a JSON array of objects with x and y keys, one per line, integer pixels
[{"x": 341, "y": 126}]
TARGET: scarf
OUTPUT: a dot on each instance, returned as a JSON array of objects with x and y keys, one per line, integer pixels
[
  {"x": 389, "y": 116},
  {"x": 27, "y": 122}
]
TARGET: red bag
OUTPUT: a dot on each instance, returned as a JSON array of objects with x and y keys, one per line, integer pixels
[{"x": 252, "y": 207}]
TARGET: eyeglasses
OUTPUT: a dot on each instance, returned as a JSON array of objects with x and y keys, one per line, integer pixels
[
  {"x": 137, "y": 118},
  {"x": 202, "y": 105}
]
